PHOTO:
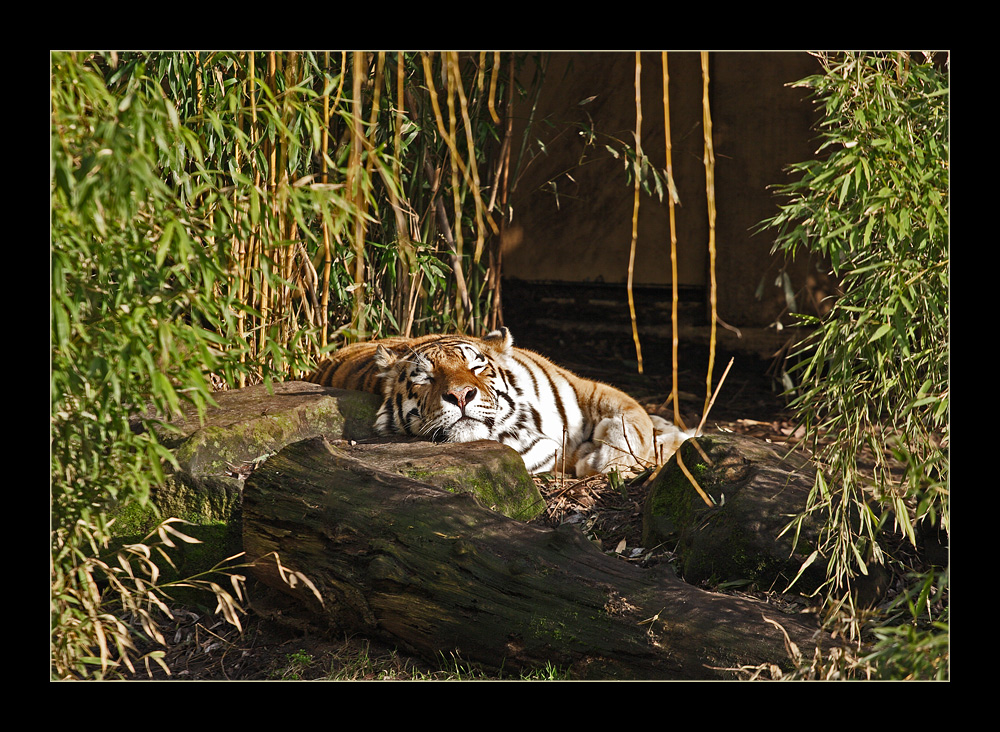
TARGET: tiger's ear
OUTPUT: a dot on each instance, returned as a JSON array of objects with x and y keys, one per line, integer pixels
[
  {"x": 499, "y": 341},
  {"x": 384, "y": 358}
]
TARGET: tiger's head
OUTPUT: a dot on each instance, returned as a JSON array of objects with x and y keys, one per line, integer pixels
[{"x": 446, "y": 388}]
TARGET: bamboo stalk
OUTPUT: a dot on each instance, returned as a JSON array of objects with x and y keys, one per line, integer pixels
[
  {"x": 198, "y": 91},
  {"x": 493, "y": 87},
  {"x": 265, "y": 293},
  {"x": 376, "y": 85},
  {"x": 710, "y": 194},
  {"x": 376, "y": 100},
  {"x": 445, "y": 227},
  {"x": 408, "y": 265},
  {"x": 287, "y": 225},
  {"x": 355, "y": 189},
  {"x": 324, "y": 177},
  {"x": 253, "y": 242},
  {"x": 684, "y": 469},
  {"x": 253, "y": 297},
  {"x": 671, "y": 203},
  {"x": 456, "y": 194},
  {"x": 711, "y": 401},
  {"x": 241, "y": 244},
  {"x": 635, "y": 205},
  {"x": 473, "y": 166},
  {"x": 503, "y": 176},
  {"x": 452, "y": 237}
]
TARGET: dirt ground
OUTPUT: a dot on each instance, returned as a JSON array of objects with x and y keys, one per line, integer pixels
[{"x": 201, "y": 646}]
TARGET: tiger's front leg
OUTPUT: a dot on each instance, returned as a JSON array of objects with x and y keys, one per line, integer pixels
[
  {"x": 618, "y": 442},
  {"x": 540, "y": 453}
]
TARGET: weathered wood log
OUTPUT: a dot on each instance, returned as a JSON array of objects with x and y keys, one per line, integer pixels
[{"x": 433, "y": 572}]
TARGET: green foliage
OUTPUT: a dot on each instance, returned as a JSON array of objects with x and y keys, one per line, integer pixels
[
  {"x": 129, "y": 267},
  {"x": 138, "y": 321},
  {"x": 221, "y": 219},
  {"x": 875, "y": 375}
]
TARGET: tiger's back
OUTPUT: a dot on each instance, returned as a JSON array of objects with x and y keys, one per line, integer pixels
[{"x": 458, "y": 388}]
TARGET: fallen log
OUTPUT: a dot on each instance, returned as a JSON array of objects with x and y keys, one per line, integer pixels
[{"x": 434, "y": 573}]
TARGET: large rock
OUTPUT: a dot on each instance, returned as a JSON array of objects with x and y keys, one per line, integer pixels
[
  {"x": 245, "y": 428},
  {"x": 494, "y": 474},
  {"x": 757, "y": 488},
  {"x": 216, "y": 454}
]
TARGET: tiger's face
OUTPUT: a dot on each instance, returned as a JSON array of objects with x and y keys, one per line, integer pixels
[
  {"x": 447, "y": 389},
  {"x": 453, "y": 388}
]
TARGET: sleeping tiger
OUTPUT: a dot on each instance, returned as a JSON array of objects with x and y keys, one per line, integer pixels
[{"x": 453, "y": 388}]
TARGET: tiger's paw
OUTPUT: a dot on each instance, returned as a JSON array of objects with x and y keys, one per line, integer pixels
[
  {"x": 616, "y": 445},
  {"x": 668, "y": 437}
]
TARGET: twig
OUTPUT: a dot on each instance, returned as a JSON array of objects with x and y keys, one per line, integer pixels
[
  {"x": 629, "y": 444},
  {"x": 711, "y": 401},
  {"x": 704, "y": 417},
  {"x": 562, "y": 473},
  {"x": 704, "y": 496}
]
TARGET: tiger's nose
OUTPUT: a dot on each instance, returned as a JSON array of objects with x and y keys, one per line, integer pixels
[{"x": 461, "y": 396}]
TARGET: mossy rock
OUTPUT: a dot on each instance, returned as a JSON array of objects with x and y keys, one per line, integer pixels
[
  {"x": 757, "y": 488},
  {"x": 215, "y": 454},
  {"x": 492, "y": 473}
]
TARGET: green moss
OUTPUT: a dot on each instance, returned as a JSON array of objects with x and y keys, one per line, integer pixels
[
  {"x": 673, "y": 502},
  {"x": 134, "y": 519},
  {"x": 553, "y": 630},
  {"x": 504, "y": 487},
  {"x": 511, "y": 488},
  {"x": 214, "y": 449}
]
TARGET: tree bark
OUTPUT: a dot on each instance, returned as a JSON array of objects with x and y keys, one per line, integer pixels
[{"x": 435, "y": 573}]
